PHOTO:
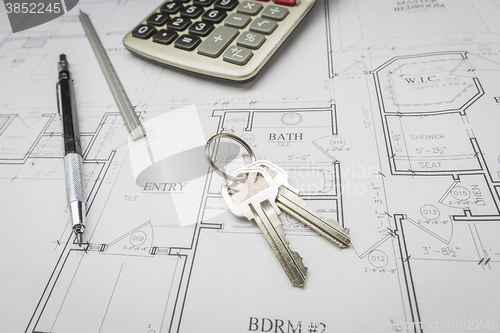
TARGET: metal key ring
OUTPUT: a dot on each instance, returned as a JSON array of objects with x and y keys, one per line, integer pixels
[{"x": 211, "y": 162}]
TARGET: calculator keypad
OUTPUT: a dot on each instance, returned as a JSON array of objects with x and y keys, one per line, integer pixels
[
  {"x": 165, "y": 36},
  {"x": 201, "y": 29},
  {"x": 171, "y": 7},
  {"x": 238, "y": 21},
  {"x": 249, "y": 8},
  {"x": 275, "y": 12},
  {"x": 143, "y": 31},
  {"x": 264, "y": 26},
  {"x": 203, "y": 2},
  {"x": 237, "y": 55},
  {"x": 231, "y": 31},
  {"x": 252, "y": 40},
  {"x": 226, "y": 4},
  {"x": 214, "y": 15},
  {"x": 222, "y": 36},
  {"x": 192, "y": 11},
  {"x": 218, "y": 41},
  {"x": 178, "y": 23},
  {"x": 187, "y": 42},
  {"x": 157, "y": 19}
]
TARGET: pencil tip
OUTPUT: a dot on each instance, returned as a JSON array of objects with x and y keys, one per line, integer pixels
[{"x": 79, "y": 239}]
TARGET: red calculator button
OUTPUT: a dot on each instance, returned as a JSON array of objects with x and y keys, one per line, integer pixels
[{"x": 285, "y": 2}]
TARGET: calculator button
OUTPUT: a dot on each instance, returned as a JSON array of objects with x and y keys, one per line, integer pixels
[
  {"x": 178, "y": 23},
  {"x": 143, "y": 31},
  {"x": 158, "y": 19},
  {"x": 191, "y": 11},
  {"x": 238, "y": 21},
  {"x": 250, "y": 8},
  {"x": 252, "y": 40},
  {"x": 285, "y": 2},
  {"x": 187, "y": 42},
  {"x": 203, "y": 2},
  {"x": 171, "y": 7},
  {"x": 275, "y": 12},
  {"x": 214, "y": 15},
  {"x": 165, "y": 36},
  {"x": 264, "y": 26},
  {"x": 237, "y": 55},
  {"x": 218, "y": 41},
  {"x": 226, "y": 4},
  {"x": 201, "y": 28}
]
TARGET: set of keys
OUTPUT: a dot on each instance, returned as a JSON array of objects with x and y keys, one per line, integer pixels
[{"x": 260, "y": 192}]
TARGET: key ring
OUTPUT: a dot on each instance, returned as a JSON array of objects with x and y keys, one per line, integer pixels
[{"x": 211, "y": 162}]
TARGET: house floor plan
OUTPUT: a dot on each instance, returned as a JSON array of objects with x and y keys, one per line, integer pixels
[{"x": 384, "y": 115}]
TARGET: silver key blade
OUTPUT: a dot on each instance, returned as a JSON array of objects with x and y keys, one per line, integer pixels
[
  {"x": 270, "y": 225},
  {"x": 255, "y": 198},
  {"x": 330, "y": 229}
]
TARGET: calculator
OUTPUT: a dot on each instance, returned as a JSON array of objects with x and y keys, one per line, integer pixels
[{"x": 228, "y": 39}]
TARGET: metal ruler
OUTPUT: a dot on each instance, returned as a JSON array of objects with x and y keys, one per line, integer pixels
[{"x": 127, "y": 111}]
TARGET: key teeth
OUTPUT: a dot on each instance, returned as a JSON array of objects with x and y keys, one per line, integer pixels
[
  {"x": 303, "y": 269},
  {"x": 296, "y": 256},
  {"x": 299, "y": 281}
]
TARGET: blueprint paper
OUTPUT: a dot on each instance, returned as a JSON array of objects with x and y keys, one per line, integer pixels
[
  {"x": 166, "y": 138},
  {"x": 168, "y": 158},
  {"x": 383, "y": 113}
]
